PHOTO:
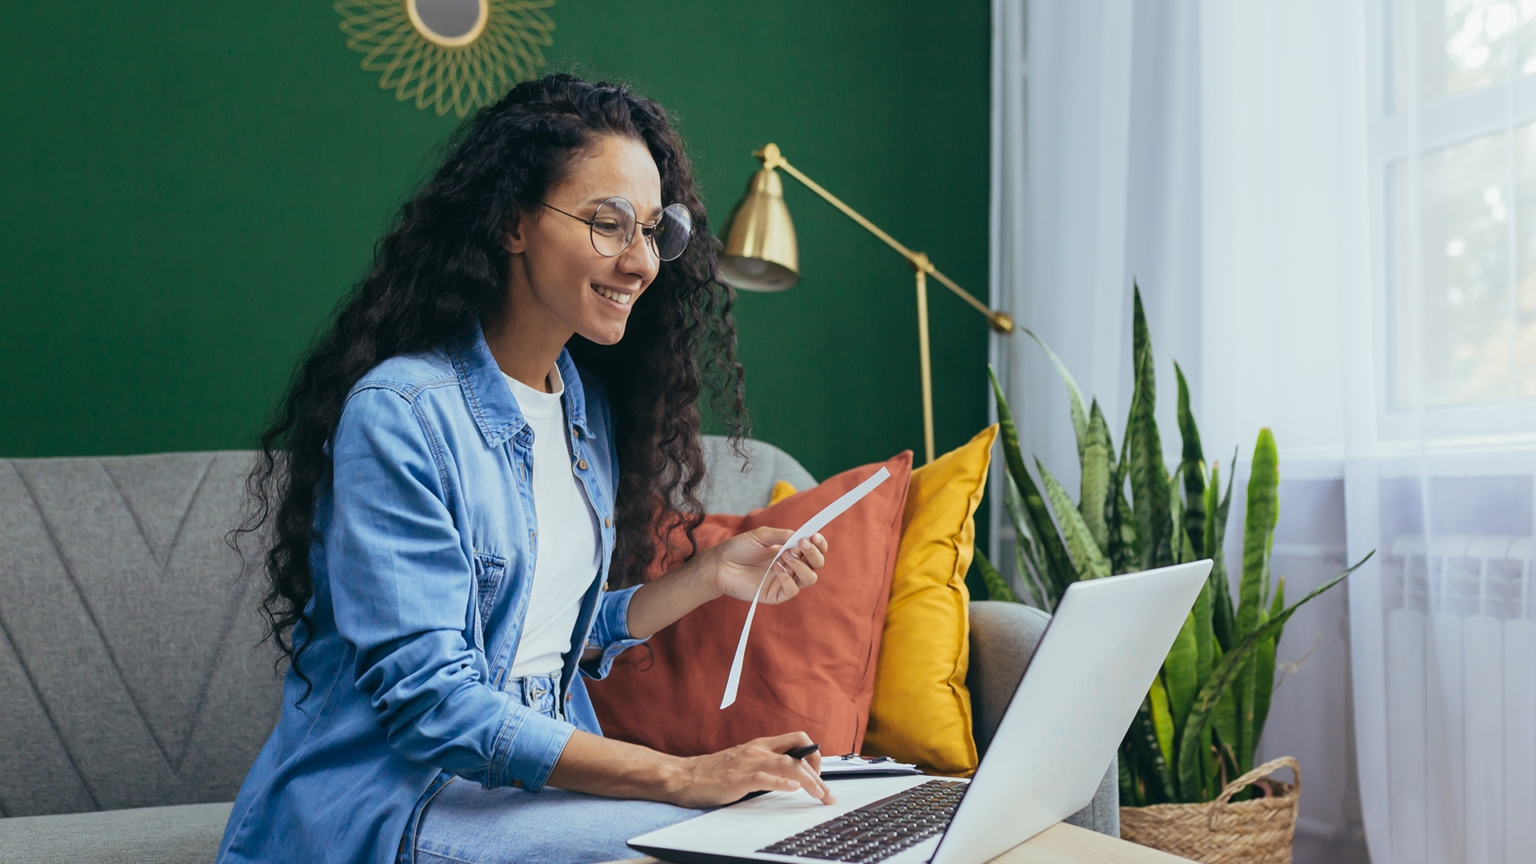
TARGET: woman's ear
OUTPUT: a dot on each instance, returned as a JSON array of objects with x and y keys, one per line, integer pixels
[{"x": 512, "y": 240}]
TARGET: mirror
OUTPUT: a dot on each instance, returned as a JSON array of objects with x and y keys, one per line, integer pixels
[{"x": 450, "y": 23}]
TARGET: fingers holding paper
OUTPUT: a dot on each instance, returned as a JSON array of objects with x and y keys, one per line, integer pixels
[
  {"x": 795, "y": 569},
  {"x": 740, "y": 564}
]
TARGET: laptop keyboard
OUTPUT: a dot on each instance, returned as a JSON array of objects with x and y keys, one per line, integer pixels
[{"x": 877, "y": 831}]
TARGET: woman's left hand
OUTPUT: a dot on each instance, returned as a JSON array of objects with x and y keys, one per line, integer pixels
[{"x": 739, "y": 563}]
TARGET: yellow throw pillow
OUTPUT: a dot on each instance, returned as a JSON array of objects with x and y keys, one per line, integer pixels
[
  {"x": 781, "y": 490},
  {"x": 921, "y": 711}
]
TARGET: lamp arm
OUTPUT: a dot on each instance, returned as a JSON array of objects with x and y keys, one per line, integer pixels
[
  {"x": 961, "y": 292},
  {"x": 838, "y": 203},
  {"x": 1002, "y": 322}
]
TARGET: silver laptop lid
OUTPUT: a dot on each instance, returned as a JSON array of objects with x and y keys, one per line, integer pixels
[{"x": 1079, "y": 694}]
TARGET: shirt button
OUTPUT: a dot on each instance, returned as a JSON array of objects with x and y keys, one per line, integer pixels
[
  {"x": 607, "y": 522},
  {"x": 568, "y": 696},
  {"x": 581, "y": 465}
]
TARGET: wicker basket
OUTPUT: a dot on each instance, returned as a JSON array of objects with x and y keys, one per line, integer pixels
[{"x": 1258, "y": 831}]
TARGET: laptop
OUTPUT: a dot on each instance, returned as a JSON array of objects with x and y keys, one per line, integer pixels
[{"x": 1078, "y": 696}]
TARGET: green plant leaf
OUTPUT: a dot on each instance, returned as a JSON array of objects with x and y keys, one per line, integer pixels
[
  {"x": 1193, "y": 469},
  {"x": 1141, "y": 337},
  {"x": 1031, "y": 581},
  {"x": 1149, "y": 476},
  {"x": 1026, "y": 553},
  {"x": 1057, "y": 572},
  {"x": 1212, "y": 501},
  {"x": 1129, "y": 538},
  {"x": 1253, "y": 588},
  {"x": 1205, "y": 636},
  {"x": 1264, "y": 669},
  {"x": 1224, "y": 721},
  {"x": 1208, "y": 769},
  {"x": 1162, "y": 719},
  {"x": 1079, "y": 416},
  {"x": 1243, "y": 685},
  {"x": 1160, "y": 783},
  {"x": 1223, "y": 618},
  {"x": 1097, "y": 476},
  {"x": 1184, "y": 547},
  {"x": 1125, "y": 546},
  {"x": 1085, "y": 553},
  {"x": 1225, "y": 673},
  {"x": 1259, "y": 531},
  {"x": 1176, "y": 516},
  {"x": 997, "y": 586},
  {"x": 1277, "y": 605},
  {"x": 1179, "y": 672}
]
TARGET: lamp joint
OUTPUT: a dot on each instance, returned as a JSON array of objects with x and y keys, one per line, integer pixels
[
  {"x": 920, "y": 262},
  {"x": 770, "y": 156}
]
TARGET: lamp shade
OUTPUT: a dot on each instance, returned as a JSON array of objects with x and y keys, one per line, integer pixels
[{"x": 760, "y": 249}]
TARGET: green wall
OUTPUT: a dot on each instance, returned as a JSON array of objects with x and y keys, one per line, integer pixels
[{"x": 188, "y": 187}]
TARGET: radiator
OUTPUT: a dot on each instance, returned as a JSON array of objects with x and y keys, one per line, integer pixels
[{"x": 1461, "y": 699}]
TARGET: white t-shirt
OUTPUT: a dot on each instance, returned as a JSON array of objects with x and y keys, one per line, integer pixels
[{"x": 568, "y": 552}]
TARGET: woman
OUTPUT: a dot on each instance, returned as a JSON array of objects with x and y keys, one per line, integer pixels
[{"x": 464, "y": 463}]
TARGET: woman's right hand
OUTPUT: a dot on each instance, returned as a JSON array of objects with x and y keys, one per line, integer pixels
[{"x": 756, "y": 766}]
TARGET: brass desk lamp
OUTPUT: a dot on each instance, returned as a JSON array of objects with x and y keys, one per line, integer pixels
[{"x": 761, "y": 255}]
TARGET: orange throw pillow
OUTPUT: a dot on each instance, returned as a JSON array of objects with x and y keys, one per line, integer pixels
[{"x": 810, "y": 662}]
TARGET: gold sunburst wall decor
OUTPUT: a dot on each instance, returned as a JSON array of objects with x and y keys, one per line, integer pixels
[{"x": 454, "y": 55}]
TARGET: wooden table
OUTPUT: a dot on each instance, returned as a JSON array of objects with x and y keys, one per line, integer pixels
[{"x": 1059, "y": 844}]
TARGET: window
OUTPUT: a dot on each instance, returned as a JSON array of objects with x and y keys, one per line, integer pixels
[{"x": 1456, "y": 152}]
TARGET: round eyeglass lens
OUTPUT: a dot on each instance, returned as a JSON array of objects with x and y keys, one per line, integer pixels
[
  {"x": 613, "y": 226},
  {"x": 672, "y": 232}
]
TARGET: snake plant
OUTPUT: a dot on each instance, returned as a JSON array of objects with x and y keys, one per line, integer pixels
[{"x": 1200, "y": 723}]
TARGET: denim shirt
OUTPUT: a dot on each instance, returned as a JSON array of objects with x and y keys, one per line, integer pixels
[{"x": 422, "y": 564}]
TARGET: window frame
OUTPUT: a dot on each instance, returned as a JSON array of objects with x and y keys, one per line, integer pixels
[{"x": 1395, "y": 136}]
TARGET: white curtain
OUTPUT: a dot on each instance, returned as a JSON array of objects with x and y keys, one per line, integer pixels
[
  {"x": 1107, "y": 145},
  {"x": 1331, "y": 209}
]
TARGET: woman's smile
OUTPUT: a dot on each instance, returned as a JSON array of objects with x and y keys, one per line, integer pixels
[{"x": 622, "y": 298}]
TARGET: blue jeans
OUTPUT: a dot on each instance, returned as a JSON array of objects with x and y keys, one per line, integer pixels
[{"x": 465, "y": 824}]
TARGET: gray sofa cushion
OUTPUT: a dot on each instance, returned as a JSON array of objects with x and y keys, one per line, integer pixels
[
  {"x": 129, "y": 654},
  {"x": 188, "y": 834},
  {"x": 129, "y": 646},
  {"x": 734, "y": 486}
]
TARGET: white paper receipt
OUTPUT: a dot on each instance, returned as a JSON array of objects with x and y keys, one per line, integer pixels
[{"x": 817, "y": 522}]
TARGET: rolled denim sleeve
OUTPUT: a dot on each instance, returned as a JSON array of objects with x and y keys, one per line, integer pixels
[
  {"x": 610, "y": 632},
  {"x": 401, "y": 584}
]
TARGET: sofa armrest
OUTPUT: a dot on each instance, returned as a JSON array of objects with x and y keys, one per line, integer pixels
[
  {"x": 184, "y": 834},
  {"x": 1003, "y": 637}
]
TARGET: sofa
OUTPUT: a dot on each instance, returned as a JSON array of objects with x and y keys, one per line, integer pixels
[{"x": 136, "y": 686}]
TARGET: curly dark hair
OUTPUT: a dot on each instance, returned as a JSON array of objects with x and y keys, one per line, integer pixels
[{"x": 441, "y": 267}]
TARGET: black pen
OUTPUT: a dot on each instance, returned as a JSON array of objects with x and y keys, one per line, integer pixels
[{"x": 802, "y": 752}]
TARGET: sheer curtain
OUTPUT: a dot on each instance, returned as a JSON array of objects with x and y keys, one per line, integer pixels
[
  {"x": 1441, "y": 454},
  {"x": 1331, "y": 209}
]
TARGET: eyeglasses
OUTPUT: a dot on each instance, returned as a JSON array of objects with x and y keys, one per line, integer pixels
[{"x": 613, "y": 227}]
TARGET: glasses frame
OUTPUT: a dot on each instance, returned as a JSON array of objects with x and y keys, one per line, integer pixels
[{"x": 646, "y": 228}]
